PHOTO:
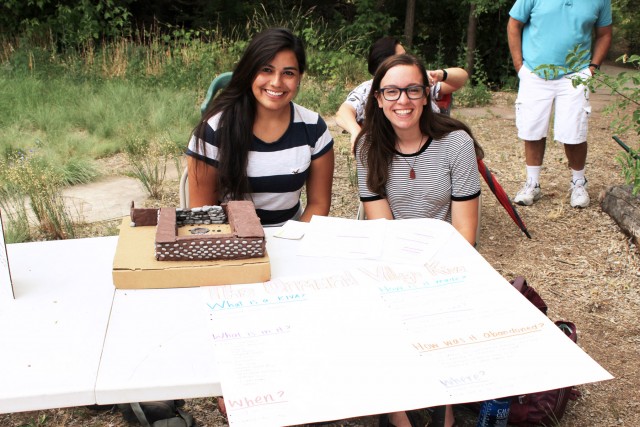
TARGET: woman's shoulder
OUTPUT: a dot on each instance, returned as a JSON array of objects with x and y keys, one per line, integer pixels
[
  {"x": 214, "y": 120},
  {"x": 457, "y": 136},
  {"x": 303, "y": 114}
]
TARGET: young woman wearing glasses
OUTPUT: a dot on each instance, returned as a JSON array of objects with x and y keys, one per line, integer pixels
[
  {"x": 351, "y": 113},
  {"x": 413, "y": 163}
]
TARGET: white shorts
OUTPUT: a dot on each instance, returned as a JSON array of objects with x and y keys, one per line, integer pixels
[{"x": 535, "y": 99}]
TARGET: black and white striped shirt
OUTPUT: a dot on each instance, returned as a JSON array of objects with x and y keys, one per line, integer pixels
[
  {"x": 277, "y": 171},
  {"x": 446, "y": 170}
]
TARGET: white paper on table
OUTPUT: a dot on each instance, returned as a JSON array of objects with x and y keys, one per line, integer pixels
[
  {"x": 415, "y": 241},
  {"x": 293, "y": 230},
  {"x": 341, "y": 237},
  {"x": 410, "y": 241},
  {"x": 6, "y": 285},
  {"x": 383, "y": 338}
]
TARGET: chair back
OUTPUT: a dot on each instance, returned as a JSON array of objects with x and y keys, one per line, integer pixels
[{"x": 218, "y": 83}]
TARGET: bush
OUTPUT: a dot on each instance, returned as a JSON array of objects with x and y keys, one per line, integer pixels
[{"x": 30, "y": 177}]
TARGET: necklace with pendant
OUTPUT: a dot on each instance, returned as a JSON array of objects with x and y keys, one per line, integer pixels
[{"x": 412, "y": 171}]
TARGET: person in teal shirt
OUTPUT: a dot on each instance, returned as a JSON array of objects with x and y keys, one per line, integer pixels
[{"x": 544, "y": 32}]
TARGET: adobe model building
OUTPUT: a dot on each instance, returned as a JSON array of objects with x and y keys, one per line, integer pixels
[{"x": 229, "y": 231}]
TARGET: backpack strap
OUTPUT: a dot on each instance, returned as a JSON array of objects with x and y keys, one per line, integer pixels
[
  {"x": 137, "y": 410},
  {"x": 181, "y": 420},
  {"x": 188, "y": 418}
]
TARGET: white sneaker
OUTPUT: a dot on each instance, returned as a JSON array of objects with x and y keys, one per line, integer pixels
[
  {"x": 528, "y": 194},
  {"x": 579, "y": 196}
]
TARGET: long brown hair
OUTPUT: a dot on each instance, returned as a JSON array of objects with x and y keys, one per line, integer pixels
[
  {"x": 377, "y": 138},
  {"x": 237, "y": 106}
]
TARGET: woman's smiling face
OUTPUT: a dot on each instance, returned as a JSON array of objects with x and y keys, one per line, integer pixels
[
  {"x": 404, "y": 113},
  {"x": 276, "y": 83}
]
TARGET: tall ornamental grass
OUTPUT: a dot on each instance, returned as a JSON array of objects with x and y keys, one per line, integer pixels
[
  {"x": 27, "y": 179},
  {"x": 63, "y": 109}
]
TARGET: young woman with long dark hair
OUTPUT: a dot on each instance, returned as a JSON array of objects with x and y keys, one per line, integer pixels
[{"x": 255, "y": 143}]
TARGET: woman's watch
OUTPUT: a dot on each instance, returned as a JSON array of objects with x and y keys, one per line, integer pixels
[{"x": 596, "y": 66}]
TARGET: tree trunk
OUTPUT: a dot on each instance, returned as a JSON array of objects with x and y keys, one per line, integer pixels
[
  {"x": 472, "y": 27},
  {"x": 624, "y": 208},
  {"x": 409, "y": 22}
]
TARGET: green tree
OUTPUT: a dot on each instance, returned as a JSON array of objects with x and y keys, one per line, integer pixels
[{"x": 477, "y": 8}]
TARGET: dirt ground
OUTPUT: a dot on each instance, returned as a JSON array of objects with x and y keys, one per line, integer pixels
[{"x": 585, "y": 268}]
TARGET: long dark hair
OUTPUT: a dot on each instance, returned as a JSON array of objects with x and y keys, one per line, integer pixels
[
  {"x": 381, "y": 50},
  {"x": 378, "y": 138},
  {"x": 237, "y": 106}
]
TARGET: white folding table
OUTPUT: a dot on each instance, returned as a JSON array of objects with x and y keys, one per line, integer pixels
[
  {"x": 69, "y": 338},
  {"x": 52, "y": 333},
  {"x": 158, "y": 345}
]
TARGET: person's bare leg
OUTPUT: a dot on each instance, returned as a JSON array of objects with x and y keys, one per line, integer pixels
[
  {"x": 449, "y": 419},
  {"x": 399, "y": 419},
  {"x": 576, "y": 155},
  {"x": 534, "y": 152},
  {"x": 221, "y": 406}
]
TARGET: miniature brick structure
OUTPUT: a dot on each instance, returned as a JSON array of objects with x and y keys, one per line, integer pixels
[{"x": 245, "y": 239}]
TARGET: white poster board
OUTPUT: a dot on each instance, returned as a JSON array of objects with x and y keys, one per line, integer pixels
[
  {"x": 6, "y": 285},
  {"x": 385, "y": 337}
]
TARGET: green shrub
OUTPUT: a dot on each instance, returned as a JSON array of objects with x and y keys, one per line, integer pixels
[
  {"x": 149, "y": 160},
  {"x": 476, "y": 92},
  {"x": 30, "y": 176},
  {"x": 14, "y": 211}
]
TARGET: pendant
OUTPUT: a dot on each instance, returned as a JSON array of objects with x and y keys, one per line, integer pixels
[{"x": 412, "y": 174}]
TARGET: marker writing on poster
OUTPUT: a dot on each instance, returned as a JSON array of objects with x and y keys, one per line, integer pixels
[
  {"x": 490, "y": 335},
  {"x": 259, "y": 400}
]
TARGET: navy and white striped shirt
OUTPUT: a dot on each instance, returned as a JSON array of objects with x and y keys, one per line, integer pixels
[
  {"x": 446, "y": 170},
  {"x": 277, "y": 171}
]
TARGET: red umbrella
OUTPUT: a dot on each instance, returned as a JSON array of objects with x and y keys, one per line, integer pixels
[{"x": 501, "y": 195}]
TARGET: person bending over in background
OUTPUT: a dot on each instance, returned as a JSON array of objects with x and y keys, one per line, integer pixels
[
  {"x": 255, "y": 143},
  {"x": 351, "y": 113}
]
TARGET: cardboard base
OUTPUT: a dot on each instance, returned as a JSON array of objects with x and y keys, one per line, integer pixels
[{"x": 135, "y": 266}]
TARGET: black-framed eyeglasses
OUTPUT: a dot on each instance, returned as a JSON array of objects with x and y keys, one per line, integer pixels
[{"x": 394, "y": 93}]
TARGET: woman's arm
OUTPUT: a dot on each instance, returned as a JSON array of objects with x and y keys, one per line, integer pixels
[
  {"x": 464, "y": 218},
  {"x": 319, "y": 185},
  {"x": 346, "y": 119},
  {"x": 378, "y": 209},
  {"x": 456, "y": 78},
  {"x": 203, "y": 179}
]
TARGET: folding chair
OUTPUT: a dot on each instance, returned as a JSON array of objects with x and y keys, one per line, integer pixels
[{"x": 219, "y": 82}]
